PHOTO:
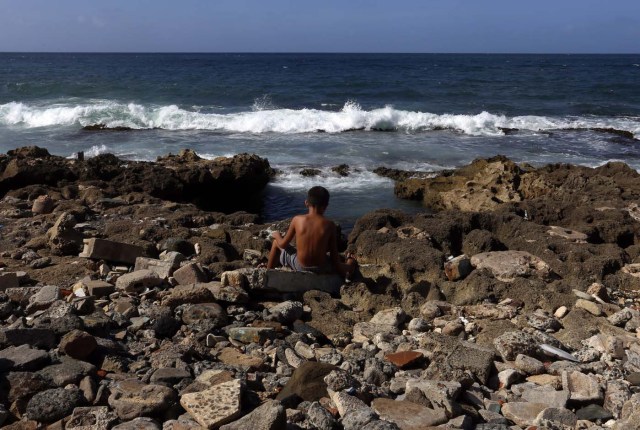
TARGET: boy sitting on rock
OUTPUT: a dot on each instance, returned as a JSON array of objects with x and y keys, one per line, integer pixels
[{"x": 315, "y": 237}]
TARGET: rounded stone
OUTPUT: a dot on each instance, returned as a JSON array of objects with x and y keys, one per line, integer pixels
[{"x": 54, "y": 404}]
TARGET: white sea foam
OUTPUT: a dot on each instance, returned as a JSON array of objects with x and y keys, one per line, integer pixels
[
  {"x": 265, "y": 118},
  {"x": 291, "y": 179}
]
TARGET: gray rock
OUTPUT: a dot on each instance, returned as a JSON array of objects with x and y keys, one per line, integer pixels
[
  {"x": 583, "y": 388},
  {"x": 68, "y": 371},
  {"x": 169, "y": 375},
  {"x": 392, "y": 316},
  {"x": 529, "y": 365},
  {"x": 320, "y": 418},
  {"x": 523, "y": 413},
  {"x": 52, "y": 405},
  {"x": 358, "y": 419},
  {"x": 512, "y": 343},
  {"x": 22, "y": 357},
  {"x": 407, "y": 415},
  {"x": 547, "y": 395},
  {"x": 593, "y": 413},
  {"x": 615, "y": 396},
  {"x": 268, "y": 416},
  {"x": 37, "y": 337},
  {"x": 132, "y": 398},
  {"x": 287, "y": 312}
]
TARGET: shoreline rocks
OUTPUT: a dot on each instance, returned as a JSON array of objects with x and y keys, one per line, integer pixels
[{"x": 522, "y": 312}]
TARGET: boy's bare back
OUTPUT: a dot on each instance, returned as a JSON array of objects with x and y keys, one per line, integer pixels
[{"x": 315, "y": 236}]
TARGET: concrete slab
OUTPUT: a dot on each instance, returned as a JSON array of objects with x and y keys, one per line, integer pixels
[{"x": 101, "y": 249}]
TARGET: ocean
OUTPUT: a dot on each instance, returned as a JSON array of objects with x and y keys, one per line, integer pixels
[{"x": 423, "y": 112}]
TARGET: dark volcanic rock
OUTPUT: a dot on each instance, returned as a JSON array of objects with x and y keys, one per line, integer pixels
[{"x": 52, "y": 405}]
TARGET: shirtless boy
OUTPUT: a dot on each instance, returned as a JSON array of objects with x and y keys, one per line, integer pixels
[{"x": 315, "y": 237}]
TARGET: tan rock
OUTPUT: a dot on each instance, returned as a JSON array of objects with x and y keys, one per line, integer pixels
[
  {"x": 408, "y": 415},
  {"x": 215, "y": 406},
  {"x": 506, "y": 266}
]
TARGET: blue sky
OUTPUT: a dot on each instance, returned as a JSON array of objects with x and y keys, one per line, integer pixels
[{"x": 541, "y": 26}]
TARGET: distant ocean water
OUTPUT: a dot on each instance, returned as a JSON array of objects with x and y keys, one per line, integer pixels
[{"x": 415, "y": 111}]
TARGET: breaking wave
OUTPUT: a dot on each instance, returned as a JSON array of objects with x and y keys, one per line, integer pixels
[{"x": 265, "y": 118}]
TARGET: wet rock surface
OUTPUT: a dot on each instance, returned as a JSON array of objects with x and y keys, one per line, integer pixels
[{"x": 518, "y": 308}]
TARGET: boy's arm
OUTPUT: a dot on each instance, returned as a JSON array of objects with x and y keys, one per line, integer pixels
[
  {"x": 282, "y": 242},
  {"x": 333, "y": 252}
]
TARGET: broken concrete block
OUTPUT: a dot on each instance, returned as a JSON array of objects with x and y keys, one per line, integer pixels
[
  {"x": 191, "y": 273},
  {"x": 162, "y": 268},
  {"x": 99, "y": 288},
  {"x": 285, "y": 281},
  {"x": 458, "y": 268},
  {"x": 101, "y": 249},
  {"x": 138, "y": 281}
]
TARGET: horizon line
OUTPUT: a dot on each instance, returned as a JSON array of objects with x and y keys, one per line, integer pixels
[{"x": 319, "y": 53}]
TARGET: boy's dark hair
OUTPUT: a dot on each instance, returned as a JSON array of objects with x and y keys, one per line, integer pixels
[{"x": 318, "y": 197}]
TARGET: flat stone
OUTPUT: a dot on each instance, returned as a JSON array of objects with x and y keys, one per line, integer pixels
[
  {"x": 506, "y": 266},
  {"x": 568, "y": 234},
  {"x": 138, "y": 281},
  {"x": 292, "y": 358},
  {"x": 307, "y": 382},
  {"x": 251, "y": 334},
  {"x": 22, "y": 358},
  {"x": 583, "y": 388},
  {"x": 101, "y": 249},
  {"x": 593, "y": 413},
  {"x": 633, "y": 379},
  {"x": 591, "y": 307},
  {"x": 68, "y": 371},
  {"x": 268, "y": 416},
  {"x": 547, "y": 395},
  {"x": 235, "y": 358},
  {"x": 92, "y": 418},
  {"x": 169, "y": 375},
  {"x": 407, "y": 415},
  {"x": 218, "y": 405},
  {"x": 21, "y": 295},
  {"x": 523, "y": 413},
  {"x": 458, "y": 268},
  {"x": 304, "y": 350},
  {"x": 404, "y": 359},
  {"x": 132, "y": 398},
  {"x": 37, "y": 337},
  {"x": 44, "y": 298}
]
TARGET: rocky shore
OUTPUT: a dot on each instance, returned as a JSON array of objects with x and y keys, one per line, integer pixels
[{"x": 129, "y": 299}]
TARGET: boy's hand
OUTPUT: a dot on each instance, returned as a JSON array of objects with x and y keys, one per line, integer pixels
[{"x": 276, "y": 235}]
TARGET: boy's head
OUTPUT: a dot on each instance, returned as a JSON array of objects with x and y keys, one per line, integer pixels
[{"x": 318, "y": 197}]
